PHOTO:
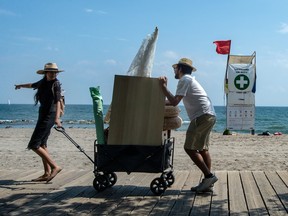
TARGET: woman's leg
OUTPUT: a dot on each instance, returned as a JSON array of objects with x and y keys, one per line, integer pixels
[
  {"x": 47, "y": 168},
  {"x": 47, "y": 160}
]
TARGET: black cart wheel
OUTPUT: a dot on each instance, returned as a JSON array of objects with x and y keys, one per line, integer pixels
[
  {"x": 100, "y": 182},
  {"x": 112, "y": 178},
  {"x": 170, "y": 178},
  {"x": 158, "y": 186}
]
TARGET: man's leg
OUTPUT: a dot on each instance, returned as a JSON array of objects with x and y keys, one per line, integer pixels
[
  {"x": 203, "y": 161},
  {"x": 197, "y": 137},
  {"x": 199, "y": 161},
  {"x": 207, "y": 158}
]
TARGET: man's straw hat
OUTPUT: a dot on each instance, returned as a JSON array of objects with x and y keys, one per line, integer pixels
[
  {"x": 187, "y": 62},
  {"x": 49, "y": 67}
]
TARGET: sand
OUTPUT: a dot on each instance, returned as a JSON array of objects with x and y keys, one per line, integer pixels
[{"x": 233, "y": 152}]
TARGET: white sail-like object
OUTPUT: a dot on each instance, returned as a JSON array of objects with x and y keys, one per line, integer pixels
[{"x": 142, "y": 63}]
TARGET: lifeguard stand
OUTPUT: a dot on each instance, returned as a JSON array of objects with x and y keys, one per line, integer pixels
[{"x": 240, "y": 88}]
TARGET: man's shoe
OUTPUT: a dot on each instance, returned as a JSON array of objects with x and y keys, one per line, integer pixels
[
  {"x": 205, "y": 184},
  {"x": 208, "y": 190}
]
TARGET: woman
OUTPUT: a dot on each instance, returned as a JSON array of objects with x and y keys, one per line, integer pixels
[{"x": 48, "y": 95}]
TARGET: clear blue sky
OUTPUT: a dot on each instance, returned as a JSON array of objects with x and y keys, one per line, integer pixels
[{"x": 93, "y": 40}]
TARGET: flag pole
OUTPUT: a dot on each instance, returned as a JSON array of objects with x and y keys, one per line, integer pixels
[
  {"x": 226, "y": 84},
  {"x": 222, "y": 48}
]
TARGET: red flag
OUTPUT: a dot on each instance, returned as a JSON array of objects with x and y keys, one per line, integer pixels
[{"x": 223, "y": 47}]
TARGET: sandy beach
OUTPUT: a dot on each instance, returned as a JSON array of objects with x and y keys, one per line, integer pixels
[{"x": 233, "y": 152}]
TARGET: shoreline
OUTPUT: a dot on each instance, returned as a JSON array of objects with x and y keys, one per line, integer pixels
[{"x": 238, "y": 152}]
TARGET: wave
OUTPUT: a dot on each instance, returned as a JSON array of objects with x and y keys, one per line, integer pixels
[
  {"x": 25, "y": 116},
  {"x": 27, "y": 121},
  {"x": 185, "y": 122},
  {"x": 88, "y": 122},
  {"x": 24, "y": 121}
]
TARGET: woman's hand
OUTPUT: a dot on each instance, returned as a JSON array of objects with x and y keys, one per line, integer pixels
[
  {"x": 17, "y": 87},
  {"x": 58, "y": 123},
  {"x": 28, "y": 85}
]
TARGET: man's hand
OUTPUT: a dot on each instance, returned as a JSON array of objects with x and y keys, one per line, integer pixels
[
  {"x": 163, "y": 81},
  {"x": 172, "y": 100}
]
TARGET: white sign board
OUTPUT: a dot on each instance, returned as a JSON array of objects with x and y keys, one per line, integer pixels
[
  {"x": 240, "y": 98},
  {"x": 241, "y": 77},
  {"x": 240, "y": 117}
]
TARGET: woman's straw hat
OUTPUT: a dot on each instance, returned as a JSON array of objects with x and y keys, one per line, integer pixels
[
  {"x": 187, "y": 62},
  {"x": 49, "y": 67}
]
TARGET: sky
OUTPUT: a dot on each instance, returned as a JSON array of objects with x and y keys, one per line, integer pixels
[{"x": 95, "y": 40}]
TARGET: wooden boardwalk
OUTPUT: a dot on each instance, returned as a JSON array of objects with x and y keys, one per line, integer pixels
[{"x": 72, "y": 193}]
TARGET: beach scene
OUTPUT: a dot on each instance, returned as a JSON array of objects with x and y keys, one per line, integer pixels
[{"x": 115, "y": 52}]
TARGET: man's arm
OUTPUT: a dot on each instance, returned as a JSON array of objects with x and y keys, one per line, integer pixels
[{"x": 172, "y": 100}]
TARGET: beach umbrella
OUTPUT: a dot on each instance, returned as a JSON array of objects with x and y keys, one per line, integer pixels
[
  {"x": 143, "y": 61},
  {"x": 98, "y": 113}
]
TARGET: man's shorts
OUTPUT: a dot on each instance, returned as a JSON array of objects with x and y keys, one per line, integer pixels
[{"x": 198, "y": 133}]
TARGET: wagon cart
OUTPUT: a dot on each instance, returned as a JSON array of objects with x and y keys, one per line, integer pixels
[
  {"x": 109, "y": 159},
  {"x": 134, "y": 158},
  {"x": 136, "y": 140}
]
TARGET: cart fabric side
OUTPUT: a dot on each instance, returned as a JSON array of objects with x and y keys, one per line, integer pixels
[{"x": 134, "y": 158}]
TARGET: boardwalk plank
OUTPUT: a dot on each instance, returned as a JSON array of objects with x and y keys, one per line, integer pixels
[
  {"x": 185, "y": 199},
  {"x": 98, "y": 203},
  {"x": 8, "y": 181},
  {"x": 14, "y": 174},
  {"x": 219, "y": 203},
  {"x": 284, "y": 176},
  {"x": 72, "y": 193},
  {"x": 128, "y": 203},
  {"x": 169, "y": 198},
  {"x": 253, "y": 197},
  {"x": 201, "y": 205},
  {"x": 15, "y": 188},
  {"x": 280, "y": 188},
  {"x": 268, "y": 194},
  {"x": 59, "y": 204},
  {"x": 44, "y": 193},
  {"x": 112, "y": 203},
  {"x": 148, "y": 202},
  {"x": 95, "y": 199},
  {"x": 237, "y": 201}
]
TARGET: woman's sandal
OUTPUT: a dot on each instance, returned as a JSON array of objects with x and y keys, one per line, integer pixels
[
  {"x": 53, "y": 174},
  {"x": 40, "y": 178}
]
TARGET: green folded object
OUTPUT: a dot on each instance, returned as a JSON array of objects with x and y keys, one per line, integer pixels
[{"x": 98, "y": 113}]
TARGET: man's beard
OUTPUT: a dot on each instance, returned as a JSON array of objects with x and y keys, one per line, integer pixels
[{"x": 176, "y": 76}]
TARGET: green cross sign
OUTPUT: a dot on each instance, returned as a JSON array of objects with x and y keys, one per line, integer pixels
[{"x": 241, "y": 82}]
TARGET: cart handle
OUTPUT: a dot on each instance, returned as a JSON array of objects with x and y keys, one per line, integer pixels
[
  {"x": 62, "y": 130},
  {"x": 59, "y": 129}
]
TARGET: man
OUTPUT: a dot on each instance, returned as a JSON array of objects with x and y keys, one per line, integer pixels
[{"x": 202, "y": 116}]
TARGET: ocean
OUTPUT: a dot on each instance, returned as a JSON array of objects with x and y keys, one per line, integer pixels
[{"x": 272, "y": 119}]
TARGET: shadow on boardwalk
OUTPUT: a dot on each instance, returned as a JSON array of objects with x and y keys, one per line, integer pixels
[{"x": 72, "y": 193}]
